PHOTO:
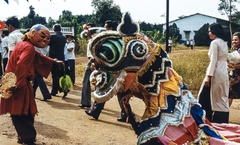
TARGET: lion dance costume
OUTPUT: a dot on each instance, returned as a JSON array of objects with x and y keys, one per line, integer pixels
[{"x": 130, "y": 63}]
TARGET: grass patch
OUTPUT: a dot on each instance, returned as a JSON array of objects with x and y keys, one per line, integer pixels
[{"x": 191, "y": 65}]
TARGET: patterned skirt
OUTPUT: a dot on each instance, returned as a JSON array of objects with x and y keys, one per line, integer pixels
[{"x": 234, "y": 88}]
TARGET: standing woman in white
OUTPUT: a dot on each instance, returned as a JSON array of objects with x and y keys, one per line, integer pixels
[{"x": 213, "y": 95}]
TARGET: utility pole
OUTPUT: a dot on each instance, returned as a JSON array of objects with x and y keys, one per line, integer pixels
[{"x": 167, "y": 24}]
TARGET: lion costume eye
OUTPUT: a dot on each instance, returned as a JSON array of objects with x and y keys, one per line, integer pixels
[
  {"x": 110, "y": 51},
  {"x": 138, "y": 48}
]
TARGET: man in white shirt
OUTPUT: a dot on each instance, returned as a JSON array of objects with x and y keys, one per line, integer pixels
[
  {"x": 191, "y": 44},
  {"x": 169, "y": 45},
  {"x": 15, "y": 35},
  {"x": 5, "y": 48}
]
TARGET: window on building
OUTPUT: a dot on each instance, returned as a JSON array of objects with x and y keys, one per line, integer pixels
[{"x": 187, "y": 34}]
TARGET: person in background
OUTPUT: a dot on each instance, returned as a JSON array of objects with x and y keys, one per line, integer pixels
[
  {"x": 187, "y": 43},
  {"x": 1, "y": 71},
  {"x": 234, "y": 86},
  {"x": 5, "y": 34},
  {"x": 97, "y": 108},
  {"x": 85, "y": 101},
  {"x": 213, "y": 94},
  {"x": 66, "y": 59},
  {"x": 71, "y": 57},
  {"x": 56, "y": 51},
  {"x": 23, "y": 62},
  {"x": 169, "y": 45},
  {"x": 191, "y": 44},
  {"x": 39, "y": 81},
  {"x": 13, "y": 26}
]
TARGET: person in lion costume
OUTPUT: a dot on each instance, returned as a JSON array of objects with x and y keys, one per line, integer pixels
[{"x": 128, "y": 62}]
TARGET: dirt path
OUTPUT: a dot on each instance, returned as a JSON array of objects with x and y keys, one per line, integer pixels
[{"x": 61, "y": 122}]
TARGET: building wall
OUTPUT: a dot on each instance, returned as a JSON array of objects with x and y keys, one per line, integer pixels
[
  {"x": 65, "y": 31},
  {"x": 192, "y": 24}
]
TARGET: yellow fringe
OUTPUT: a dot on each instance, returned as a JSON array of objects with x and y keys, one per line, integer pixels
[
  {"x": 150, "y": 60},
  {"x": 25, "y": 36}
]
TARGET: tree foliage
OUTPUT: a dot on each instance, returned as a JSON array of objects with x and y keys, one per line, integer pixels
[
  {"x": 66, "y": 19},
  {"x": 227, "y": 7},
  {"x": 50, "y": 22},
  {"x": 105, "y": 10},
  {"x": 201, "y": 37},
  {"x": 236, "y": 17},
  {"x": 174, "y": 32},
  {"x": 31, "y": 19}
]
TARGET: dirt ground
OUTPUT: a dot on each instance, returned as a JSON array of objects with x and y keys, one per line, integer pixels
[{"x": 61, "y": 122}]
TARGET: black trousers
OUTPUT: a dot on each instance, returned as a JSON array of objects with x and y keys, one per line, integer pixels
[
  {"x": 57, "y": 72},
  {"x": 98, "y": 107},
  {"x": 39, "y": 82},
  {"x": 212, "y": 116},
  {"x": 71, "y": 66},
  {"x": 86, "y": 86},
  {"x": 24, "y": 126},
  {"x": 5, "y": 60},
  {"x": 1, "y": 70}
]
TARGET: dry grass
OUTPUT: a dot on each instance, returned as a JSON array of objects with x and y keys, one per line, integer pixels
[{"x": 191, "y": 65}]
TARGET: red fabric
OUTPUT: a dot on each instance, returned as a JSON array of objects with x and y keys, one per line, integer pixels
[
  {"x": 22, "y": 62},
  {"x": 229, "y": 131},
  {"x": 188, "y": 132},
  {"x": 2, "y": 25},
  {"x": 191, "y": 126},
  {"x": 215, "y": 141},
  {"x": 182, "y": 133},
  {"x": 129, "y": 80}
]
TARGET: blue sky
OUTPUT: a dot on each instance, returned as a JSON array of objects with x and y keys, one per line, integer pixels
[{"x": 140, "y": 10}]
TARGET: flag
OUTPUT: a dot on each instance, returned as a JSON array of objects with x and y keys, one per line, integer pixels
[
  {"x": 16, "y": 1},
  {"x": 6, "y": 1},
  {"x": 2, "y": 25}
]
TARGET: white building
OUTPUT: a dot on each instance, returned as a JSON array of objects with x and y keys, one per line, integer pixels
[
  {"x": 189, "y": 25},
  {"x": 65, "y": 31}
]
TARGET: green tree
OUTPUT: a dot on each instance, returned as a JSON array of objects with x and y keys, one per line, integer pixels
[
  {"x": 236, "y": 17},
  {"x": 31, "y": 19},
  {"x": 158, "y": 27},
  {"x": 50, "y": 22},
  {"x": 227, "y": 7},
  {"x": 201, "y": 37},
  {"x": 174, "y": 32},
  {"x": 157, "y": 36},
  {"x": 66, "y": 19},
  {"x": 105, "y": 10},
  {"x": 145, "y": 26}
]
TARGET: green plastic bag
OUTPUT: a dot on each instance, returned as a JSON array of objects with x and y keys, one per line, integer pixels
[{"x": 65, "y": 82}]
